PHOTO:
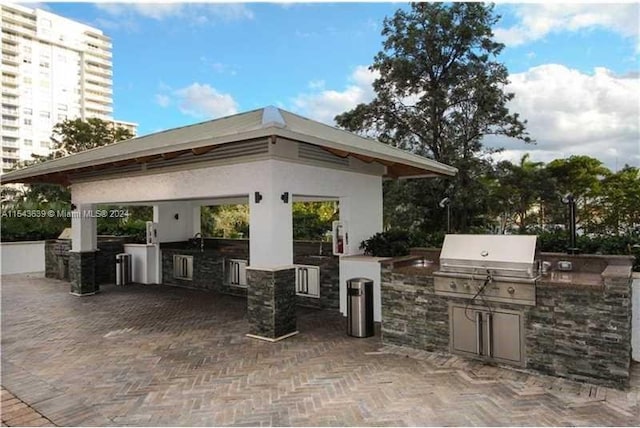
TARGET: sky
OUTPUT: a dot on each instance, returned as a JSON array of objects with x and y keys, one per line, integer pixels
[{"x": 574, "y": 68}]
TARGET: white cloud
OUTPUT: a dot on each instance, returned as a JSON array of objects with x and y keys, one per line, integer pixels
[
  {"x": 202, "y": 100},
  {"x": 573, "y": 113},
  {"x": 317, "y": 84},
  {"x": 538, "y": 20},
  {"x": 325, "y": 104},
  {"x": 163, "y": 100},
  {"x": 197, "y": 14},
  {"x": 569, "y": 112}
]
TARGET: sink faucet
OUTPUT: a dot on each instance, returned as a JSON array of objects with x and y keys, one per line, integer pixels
[{"x": 199, "y": 235}]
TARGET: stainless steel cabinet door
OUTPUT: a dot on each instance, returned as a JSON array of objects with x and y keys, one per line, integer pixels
[
  {"x": 506, "y": 340},
  {"x": 464, "y": 333}
]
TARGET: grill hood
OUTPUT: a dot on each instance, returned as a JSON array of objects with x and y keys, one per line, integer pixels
[{"x": 503, "y": 255}]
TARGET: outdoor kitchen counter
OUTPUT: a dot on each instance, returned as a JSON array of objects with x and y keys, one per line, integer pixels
[
  {"x": 579, "y": 327},
  {"x": 589, "y": 271}
]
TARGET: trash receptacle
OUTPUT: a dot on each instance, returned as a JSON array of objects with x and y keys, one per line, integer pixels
[
  {"x": 360, "y": 307},
  {"x": 123, "y": 269}
]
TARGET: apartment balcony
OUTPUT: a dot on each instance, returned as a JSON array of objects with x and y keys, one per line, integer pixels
[
  {"x": 14, "y": 101},
  {"x": 10, "y": 112},
  {"x": 103, "y": 53},
  {"x": 19, "y": 29},
  {"x": 99, "y": 99},
  {"x": 10, "y": 38},
  {"x": 9, "y": 82},
  {"x": 103, "y": 89},
  {"x": 94, "y": 70},
  {"x": 6, "y": 90},
  {"x": 10, "y": 142},
  {"x": 13, "y": 154},
  {"x": 101, "y": 41},
  {"x": 6, "y": 166},
  {"x": 11, "y": 133},
  {"x": 10, "y": 69},
  {"x": 90, "y": 58},
  {"x": 18, "y": 18},
  {"x": 10, "y": 59},
  {"x": 98, "y": 111},
  {"x": 9, "y": 48},
  {"x": 98, "y": 107},
  {"x": 97, "y": 80},
  {"x": 9, "y": 123}
]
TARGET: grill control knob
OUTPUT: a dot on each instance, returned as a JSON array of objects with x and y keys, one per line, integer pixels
[
  {"x": 453, "y": 284},
  {"x": 467, "y": 286},
  {"x": 511, "y": 290}
]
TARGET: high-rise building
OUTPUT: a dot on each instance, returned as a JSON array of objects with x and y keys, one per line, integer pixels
[{"x": 53, "y": 68}]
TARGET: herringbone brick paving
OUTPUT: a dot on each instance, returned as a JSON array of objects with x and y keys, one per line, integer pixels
[
  {"x": 157, "y": 355},
  {"x": 15, "y": 412}
]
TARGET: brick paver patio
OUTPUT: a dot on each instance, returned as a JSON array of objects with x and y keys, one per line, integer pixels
[{"x": 156, "y": 355}]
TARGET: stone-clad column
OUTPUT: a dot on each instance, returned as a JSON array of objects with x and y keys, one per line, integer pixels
[
  {"x": 271, "y": 303},
  {"x": 82, "y": 257},
  {"x": 82, "y": 273}
]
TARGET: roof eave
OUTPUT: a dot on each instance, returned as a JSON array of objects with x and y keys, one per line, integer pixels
[{"x": 429, "y": 165}]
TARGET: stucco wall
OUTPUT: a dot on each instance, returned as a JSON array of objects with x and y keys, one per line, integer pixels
[
  {"x": 22, "y": 257},
  {"x": 359, "y": 193},
  {"x": 143, "y": 262}
]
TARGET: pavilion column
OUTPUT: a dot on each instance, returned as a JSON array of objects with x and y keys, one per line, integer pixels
[
  {"x": 271, "y": 295},
  {"x": 82, "y": 257}
]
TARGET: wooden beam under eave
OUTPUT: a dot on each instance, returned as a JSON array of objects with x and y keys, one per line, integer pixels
[
  {"x": 391, "y": 173},
  {"x": 363, "y": 158},
  {"x": 145, "y": 159},
  {"x": 123, "y": 163},
  {"x": 173, "y": 155},
  {"x": 340, "y": 153},
  {"x": 202, "y": 150}
]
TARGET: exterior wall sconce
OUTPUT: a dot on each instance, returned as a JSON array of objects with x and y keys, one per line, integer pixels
[
  {"x": 176, "y": 216},
  {"x": 257, "y": 197},
  {"x": 285, "y": 197}
]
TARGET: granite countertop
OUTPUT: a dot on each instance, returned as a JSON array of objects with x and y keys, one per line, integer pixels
[
  {"x": 572, "y": 279},
  {"x": 426, "y": 270}
]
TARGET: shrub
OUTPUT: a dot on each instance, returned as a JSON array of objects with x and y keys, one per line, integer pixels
[{"x": 391, "y": 243}]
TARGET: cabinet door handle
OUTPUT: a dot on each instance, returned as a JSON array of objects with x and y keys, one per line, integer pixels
[
  {"x": 479, "y": 333},
  {"x": 489, "y": 335}
]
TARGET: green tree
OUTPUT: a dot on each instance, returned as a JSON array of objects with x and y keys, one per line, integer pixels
[
  {"x": 312, "y": 220},
  {"x": 77, "y": 135},
  {"x": 519, "y": 192},
  {"x": 225, "y": 221},
  {"x": 581, "y": 176},
  {"x": 440, "y": 90},
  {"x": 621, "y": 201},
  {"x": 68, "y": 137}
]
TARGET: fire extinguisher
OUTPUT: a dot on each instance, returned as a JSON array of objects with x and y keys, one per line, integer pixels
[{"x": 340, "y": 245}]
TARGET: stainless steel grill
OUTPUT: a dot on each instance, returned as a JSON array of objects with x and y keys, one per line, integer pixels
[{"x": 500, "y": 268}]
